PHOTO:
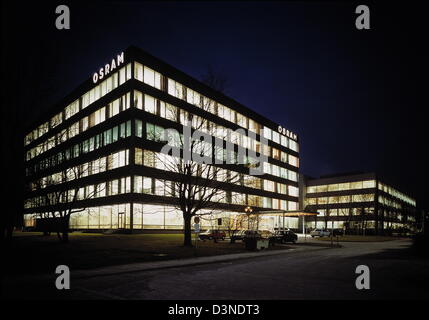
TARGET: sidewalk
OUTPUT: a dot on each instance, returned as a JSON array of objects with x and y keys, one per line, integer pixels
[
  {"x": 40, "y": 279},
  {"x": 147, "y": 266}
]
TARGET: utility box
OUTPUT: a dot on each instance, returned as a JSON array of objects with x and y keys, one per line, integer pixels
[
  {"x": 256, "y": 244},
  {"x": 250, "y": 243},
  {"x": 262, "y": 244}
]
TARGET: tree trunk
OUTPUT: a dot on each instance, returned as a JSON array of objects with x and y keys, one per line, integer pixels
[
  {"x": 65, "y": 236},
  {"x": 65, "y": 229},
  {"x": 9, "y": 232},
  {"x": 187, "y": 235}
]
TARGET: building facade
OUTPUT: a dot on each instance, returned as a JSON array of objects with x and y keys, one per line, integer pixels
[
  {"x": 98, "y": 150},
  {"x": 359, "y": 203}
]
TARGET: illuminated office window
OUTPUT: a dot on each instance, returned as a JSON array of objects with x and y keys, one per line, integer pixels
[
  {"x": 284, "y": 141},
  {"x": 267, "y": 133},
  {"x": 147, "y": 185},
  {"x": 293, "y": 191},
  {"x": 293, "y": 175},
  {"x": 275, "y": 170},
  {"x": 323, "y": 188},
  {"x": 356, "y": 185},
  {"x": 293, "y": 161},
  {"x": 149, "y": 104},
  {"x": 138, "y": 99},
  {"x": 344, "y": 186},
  {"x": 138, "y": 71},
  {"x": 254, "y": 126},
  {"x": 368, "y": 184},
  {"x": 276, "y": 154},
  {"x": 311, "y": 201},
  {"x": 56, "y": 120},
  {"x": 283, "y": 173},
  {"x": 242, "y": 120},
  {"x": 267, "y": 202},
  {"x": 333, "y": 187},
  {"x": 293, "y": 145},
  {"x": 276, "y": 137},
  {"x": 71, "y": 109},
  {"x": 149, "y": 76},
  {"x": 139, "y": 128},
  {"x": 269, "y": 185},
  {"x": 292, "y": 205}
]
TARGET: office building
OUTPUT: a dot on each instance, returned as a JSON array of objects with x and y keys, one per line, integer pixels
[
  {"x": 358, "y": 203},
  {"x": 98, "y": 150}
]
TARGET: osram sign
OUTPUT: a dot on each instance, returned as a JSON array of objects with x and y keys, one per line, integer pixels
[
  {"x": 286, "y": 132},
  {"x": 108, "y": 67}
]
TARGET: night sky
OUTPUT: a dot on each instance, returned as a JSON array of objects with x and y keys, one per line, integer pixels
[{"x": 353, "y": 97}]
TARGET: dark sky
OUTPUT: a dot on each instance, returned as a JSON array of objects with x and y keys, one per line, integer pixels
[{"x": 353, "y": 97}]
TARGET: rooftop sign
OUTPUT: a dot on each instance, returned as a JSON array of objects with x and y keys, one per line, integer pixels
[
  {"x": 108, "y": 67},
  {"x": 286, "y": 132}
]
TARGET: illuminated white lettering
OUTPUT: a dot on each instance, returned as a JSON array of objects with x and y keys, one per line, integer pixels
[
  {"x": 101, "y": 73},
  {"x": 113, "y": 65},
  {"x": 108, "y": 68},
  {"x": 120, "y": 58}
]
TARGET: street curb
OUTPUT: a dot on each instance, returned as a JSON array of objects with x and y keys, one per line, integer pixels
[{"x": 160, "y": 265}]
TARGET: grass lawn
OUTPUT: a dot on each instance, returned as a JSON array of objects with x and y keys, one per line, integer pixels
[
  {"x": 31, "y": 252},
  {"x": 355, "y": 238}
]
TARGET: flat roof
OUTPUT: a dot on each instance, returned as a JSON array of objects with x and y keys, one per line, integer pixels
[
  {"x": 341, "y": 178},
  {"x": 289, "y": 213},
  {"x": 133, "y": 53}
]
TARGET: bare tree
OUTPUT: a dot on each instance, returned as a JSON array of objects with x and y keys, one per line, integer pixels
[
  {"x": 215, "y": 80},
  {"x": 200, "y": 182},
  {"x": 364, "y": 213},
  {"x": 198, "y": 186},
  {"x": 334, "y": 200},
  {"x": 345, "y": 212},
  {"x": 57, "y": 202},
  {"x": 390, "y": 212},
  {"x": 253, "y": 219},
  {"x": 327, "y": 213},
  {"x": 234, "y": 223}
]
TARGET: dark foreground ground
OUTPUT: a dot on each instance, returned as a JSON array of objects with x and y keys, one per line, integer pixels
[
  {"x": 327, "y": 273},
  {"x": 32, "y": 253}
]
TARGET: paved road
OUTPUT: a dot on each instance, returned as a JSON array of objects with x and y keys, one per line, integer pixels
[{"x": 318, "y": 274}]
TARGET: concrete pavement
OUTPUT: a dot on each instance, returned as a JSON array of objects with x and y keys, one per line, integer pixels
[{"x": 297, "y": 274}]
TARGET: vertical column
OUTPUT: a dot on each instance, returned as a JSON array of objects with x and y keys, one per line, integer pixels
[
  {"x": 376, "y": 208},
  {"x": 163, "y": 209},
  {"x": 131, "y": 216},
  {"x": 132, "y": 157}
]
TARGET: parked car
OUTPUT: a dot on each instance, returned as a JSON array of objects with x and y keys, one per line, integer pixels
[
  {"x": 243, "y": 234},
  {"x": 337, "y": 232},
  {"x": 320, "y": 233},
  {"x": 238, "y": 235},
  {"x": 212, "y": 234},
  {"x": 285, "y": 236}
]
